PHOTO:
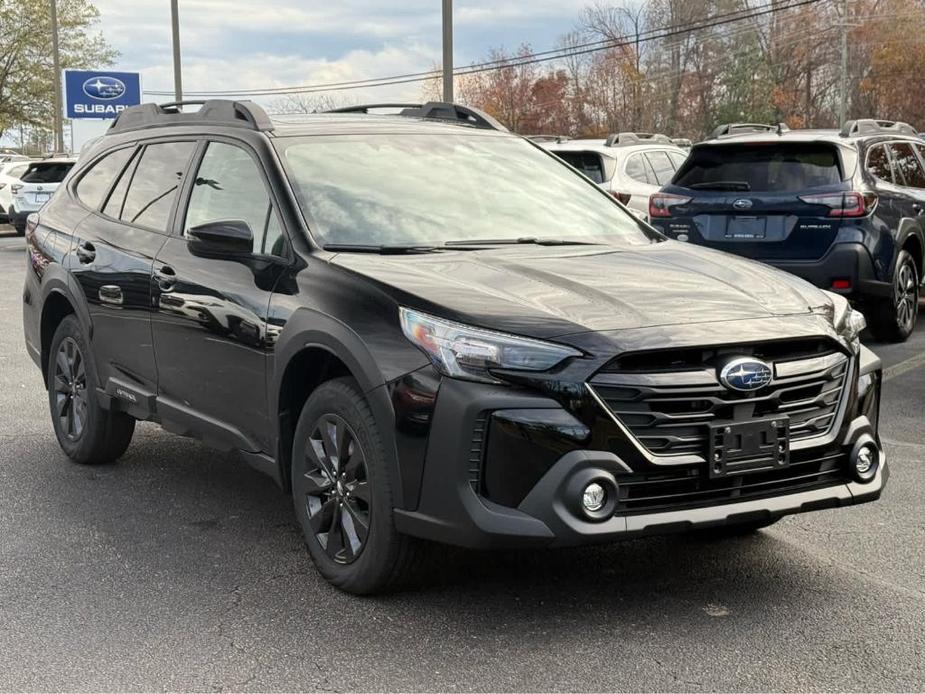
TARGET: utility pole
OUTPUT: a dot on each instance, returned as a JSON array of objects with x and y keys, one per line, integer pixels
[
  {"x": 175, "y": 26},
  {"x": 448, "y": 51},
  {"x": 56, "y": 63},
  {"x": 843, "y": 104}
]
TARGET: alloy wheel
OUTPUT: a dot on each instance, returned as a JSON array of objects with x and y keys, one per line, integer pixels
[
  {"x": 336, "y": 489},
  {"x": 906, "y": 296},
  {"x": 70, "y": 388}
]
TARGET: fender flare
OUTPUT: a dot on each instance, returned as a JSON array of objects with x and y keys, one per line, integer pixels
[
  {"x": 908, "y": 228},
  {"x": 308, "y": 329},
  {"x": 58, "y": 281}
]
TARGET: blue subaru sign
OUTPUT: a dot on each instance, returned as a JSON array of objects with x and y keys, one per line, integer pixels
[{"x": 100, "y": 94}]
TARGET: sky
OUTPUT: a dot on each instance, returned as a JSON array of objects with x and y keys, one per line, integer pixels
[{"x": 240, "y": 44}]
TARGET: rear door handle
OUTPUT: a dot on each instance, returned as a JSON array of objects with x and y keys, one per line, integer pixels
[
  {"x": 166, "y": 278},
  {"x": 86, "y": 253},
  {"x": 111, "y": 294}
]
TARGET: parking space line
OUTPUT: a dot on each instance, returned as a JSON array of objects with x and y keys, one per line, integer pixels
[{"x": 904, "y": 366}]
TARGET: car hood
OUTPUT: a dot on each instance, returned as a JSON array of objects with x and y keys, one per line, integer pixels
[{"x": 545, "y": 292}]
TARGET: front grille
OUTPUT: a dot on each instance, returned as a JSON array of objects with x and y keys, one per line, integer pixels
[
  {"x": 690, "y": 487},
  {"x": 668, "y": 411}
]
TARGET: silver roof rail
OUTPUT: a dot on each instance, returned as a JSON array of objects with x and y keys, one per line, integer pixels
[
  {"x": 244, "y": 114},
  {"x": 870, "y": 126},
  {"x": 437, "y": 110}
]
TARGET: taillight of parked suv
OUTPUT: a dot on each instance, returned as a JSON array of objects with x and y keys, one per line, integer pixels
[
  {"x": 660, "y": 204},
  {"x": 847, "y": 204}
]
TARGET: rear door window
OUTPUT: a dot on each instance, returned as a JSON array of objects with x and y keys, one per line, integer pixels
[
  {"x": 93, "y": 185},
  {"x": 589, "y": 163},
  {"x": 878, "y": 163},
  {"x": 662, "y": 166},
  {"x": 156, "y": 183},
  {"x": 47, "y": 173},
  {"x": 908, "y": 167},
  {"x": 785, "y": 167}
]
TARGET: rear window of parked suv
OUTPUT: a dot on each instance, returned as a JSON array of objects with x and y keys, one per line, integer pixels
[
  {"x": 47, "y": 173},
  {"x": 775, "y": 167}
]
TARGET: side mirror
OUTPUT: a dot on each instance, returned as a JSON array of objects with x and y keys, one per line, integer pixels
[{"x": 228, "y": 237}]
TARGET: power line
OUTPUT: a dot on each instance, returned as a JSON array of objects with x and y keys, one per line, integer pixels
[{"x": 532, "y": 58}]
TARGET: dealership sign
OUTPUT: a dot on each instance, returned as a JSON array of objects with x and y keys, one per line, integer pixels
[{"x": 100, "y": 94}]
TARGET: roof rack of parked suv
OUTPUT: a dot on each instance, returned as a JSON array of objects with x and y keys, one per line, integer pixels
[
  {"x": 549, "y": 138},
  {"x": 439, "y": 110},
  {"x": 617, "y": 139},
  {"x": 742, "y": 128},
  {"x": 245, "y": 114},
  {"x": 869, "y": 126}
]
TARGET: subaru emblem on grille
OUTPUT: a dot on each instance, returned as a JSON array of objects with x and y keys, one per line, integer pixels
[{"x": 745, "y": 373}]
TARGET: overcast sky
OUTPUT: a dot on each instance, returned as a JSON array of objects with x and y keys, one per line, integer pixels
[{"x": 232, "y": 44}]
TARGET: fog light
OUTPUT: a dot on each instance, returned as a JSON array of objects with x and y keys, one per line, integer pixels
[
  {"x": 865, "y": 460},
  {"x": 594, "y": 497}
]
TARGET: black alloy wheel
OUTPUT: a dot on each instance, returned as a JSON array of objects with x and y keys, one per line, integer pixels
[
  {"x": 906, "y": 295},
  {"x": 335, "y": 486},
  {"x": 70, "y": 389}
]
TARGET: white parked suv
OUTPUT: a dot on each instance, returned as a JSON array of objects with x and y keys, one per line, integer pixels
[
  {"x": 630, "y": 166},
  {"x": 35, "y": 188},
  {"x": 10, "y": 173}
]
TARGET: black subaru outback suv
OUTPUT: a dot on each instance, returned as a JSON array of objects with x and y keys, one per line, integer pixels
[
  {"x": 424, "y": 327},
  {"x": 840, "y": 209}
]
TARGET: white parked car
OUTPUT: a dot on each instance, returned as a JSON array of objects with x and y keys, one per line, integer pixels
[
  {"x": 10, "y": 173},
  {"x": 36, "y": 187},
  {"x": 630, "y": 166}
]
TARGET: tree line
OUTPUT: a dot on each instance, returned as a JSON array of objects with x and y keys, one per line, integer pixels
[{"x": 681, "y": 67}]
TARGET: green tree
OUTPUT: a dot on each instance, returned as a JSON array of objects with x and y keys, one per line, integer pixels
[{"x": 26, "y": 71}]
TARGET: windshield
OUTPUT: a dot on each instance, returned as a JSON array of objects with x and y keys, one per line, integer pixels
[
  {"x": 432, "y": 189},
  {"x": 773, "y": 167}
]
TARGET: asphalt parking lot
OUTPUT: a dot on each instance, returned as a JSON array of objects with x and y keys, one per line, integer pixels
[{"x": 181, "y": 569}]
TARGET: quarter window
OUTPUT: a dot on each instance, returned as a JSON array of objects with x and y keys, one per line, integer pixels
[
  {"x": 638, "y": 169},
  {"x": 155, "y": 184},
  {"x": 878, "y": 164},
  {"x": 662, "y": 166},
  {"x": 230, "y": 185},
  {"x": 94, "y": 184},
  {"x": 908, "y": 166}
]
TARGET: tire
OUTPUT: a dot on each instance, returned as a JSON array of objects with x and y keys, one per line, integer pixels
[
  {"x": 733, "y": 530},
  {"x": 333, "y": 515},
  {"x": 87, "y": 433},
  {"x": 894, "y": 319}
]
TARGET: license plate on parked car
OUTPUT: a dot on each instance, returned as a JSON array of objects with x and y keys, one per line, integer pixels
[
  {"x": 746, "y": 228},
  {"x": 42, "y": 197},
  {"x": 755, "y": 445}
]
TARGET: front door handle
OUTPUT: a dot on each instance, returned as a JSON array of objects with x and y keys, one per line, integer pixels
[
  {"x": 918, "y": 209},
  {"x": 86, "y": 253},
  {"x": 166, "y": 278},
  {"x": 111, "y": 294}
]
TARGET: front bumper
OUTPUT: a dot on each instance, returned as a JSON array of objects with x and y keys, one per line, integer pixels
[{"x": 527, "y": 492}]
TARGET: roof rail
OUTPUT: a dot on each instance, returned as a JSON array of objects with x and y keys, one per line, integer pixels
[
  {"x": 616, "y": 139},
  {"x": 245, "y": 114},
  {"x": 741, "y": 128},
  {"x": 870, "y": 126},
  {"x": 438, "y": 110},
  {"x": 682, "y": 142},
  {"x": 549, "y": 138}
]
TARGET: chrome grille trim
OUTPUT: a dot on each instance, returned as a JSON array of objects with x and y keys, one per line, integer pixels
[{"x": 824, "y": 378}]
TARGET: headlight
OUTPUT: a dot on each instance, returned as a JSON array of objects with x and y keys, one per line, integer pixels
[{"x": 461, "y": 351}]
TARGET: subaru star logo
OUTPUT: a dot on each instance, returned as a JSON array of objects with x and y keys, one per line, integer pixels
[
  {"x": 102, "y": 87},
  {"x": 745, "y": 374},
  {"x": 742, "y": 204}
]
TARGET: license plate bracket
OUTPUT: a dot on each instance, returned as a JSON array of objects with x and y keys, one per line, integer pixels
[
  {"x": 759, "y": 444},
  {"x": 746, "y": 228}
]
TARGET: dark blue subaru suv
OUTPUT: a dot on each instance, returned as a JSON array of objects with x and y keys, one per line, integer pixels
[{"x": 842, "y": 209}]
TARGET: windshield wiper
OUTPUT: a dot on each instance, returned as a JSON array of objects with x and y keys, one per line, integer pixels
[
  {"x": 383, "y": 249},
  {"x": 721, "y": 185},
  {"x": 524, "y": 240}
]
